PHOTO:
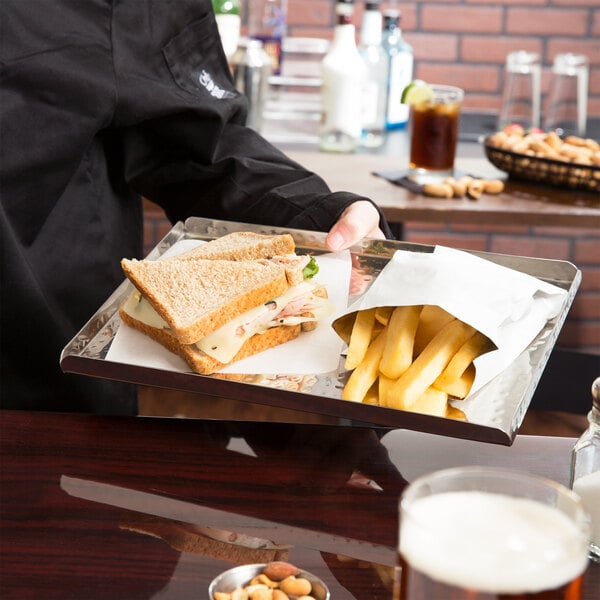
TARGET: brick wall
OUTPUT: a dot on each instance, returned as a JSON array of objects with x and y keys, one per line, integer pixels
[{"x": 465, "y": 42}]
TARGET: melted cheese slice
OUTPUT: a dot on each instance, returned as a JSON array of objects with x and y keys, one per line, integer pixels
[{"x": 224, "y": 343}]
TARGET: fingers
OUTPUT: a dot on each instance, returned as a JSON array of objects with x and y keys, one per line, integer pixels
[{"x": 359, "y": 220}]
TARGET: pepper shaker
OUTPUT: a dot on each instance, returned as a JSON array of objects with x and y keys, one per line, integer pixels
[{"x": 585, "y": 469}]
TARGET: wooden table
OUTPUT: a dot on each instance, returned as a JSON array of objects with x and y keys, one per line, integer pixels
[
  {"x": 107, "y": 507},
  {"x": 521, "y": 203}
]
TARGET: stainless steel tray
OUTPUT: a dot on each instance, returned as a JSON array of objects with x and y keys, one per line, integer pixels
[{"x": 496, "y": 410}]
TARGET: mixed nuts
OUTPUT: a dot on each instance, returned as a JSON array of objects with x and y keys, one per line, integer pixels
[{"x": 279, "y": 580}]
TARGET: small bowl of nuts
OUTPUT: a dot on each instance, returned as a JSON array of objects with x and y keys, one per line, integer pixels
[{"x": 277, "y": 580}]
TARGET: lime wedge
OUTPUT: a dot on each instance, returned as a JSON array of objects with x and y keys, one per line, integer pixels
[{"x": 415, "y": 92}]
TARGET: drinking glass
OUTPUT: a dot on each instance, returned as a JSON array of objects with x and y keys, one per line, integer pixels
[
  {"x": 566, "y": 111},
  {"x": 521, "y": 96},
  {"x": 434, "y": 133},
  {"x": 486, "y": 533}
]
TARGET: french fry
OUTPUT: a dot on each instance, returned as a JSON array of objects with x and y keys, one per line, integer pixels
[
  {"x": 383, "y": 313},
  {"x": 455, "y": 413},
  {"x": 461, "y": 387},
  {"x": 431, "y": 320},
  {"x": 398, "y": 352},
  {"x": 431, "y": 402},
  {"x": 360, "y": 338},
  {"x": 427, "y": 367},
  {"x": 365, "y": 374},
  {"x": 384, "y": 384},
  {"x": 470, "y": 350},
  {"x": 372, "y": 395}
]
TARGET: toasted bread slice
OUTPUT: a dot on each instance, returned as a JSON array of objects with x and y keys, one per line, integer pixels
[
  {"x": 242, "y": 245},
  {"x": 201, "y": 362},
  {"x": 196, "y": 297}
]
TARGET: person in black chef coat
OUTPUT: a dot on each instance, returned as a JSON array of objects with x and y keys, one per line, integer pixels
[{"x": 104, "y": 102}]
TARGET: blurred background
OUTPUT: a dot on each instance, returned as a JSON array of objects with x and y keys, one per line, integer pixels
[{"x": 465, "y": 42}]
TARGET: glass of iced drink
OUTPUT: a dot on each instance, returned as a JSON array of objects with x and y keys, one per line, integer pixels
[
  {"x": 491, "y": 534},
  {"x": 434, "y": 134}
]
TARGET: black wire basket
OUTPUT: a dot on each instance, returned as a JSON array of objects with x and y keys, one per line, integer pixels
[{"x": 544, "y": 170}]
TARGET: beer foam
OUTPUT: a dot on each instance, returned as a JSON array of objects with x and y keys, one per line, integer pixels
[{"x": 492, "y": 542}]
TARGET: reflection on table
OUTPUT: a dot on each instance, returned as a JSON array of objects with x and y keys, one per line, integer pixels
[{"x": 106, "y": 507}]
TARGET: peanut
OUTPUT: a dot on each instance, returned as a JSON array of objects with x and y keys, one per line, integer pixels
[
  {"x": 280, "y": 595},
  {"x": 264, "y": 580},
  {"x": 260, "y": 593},
  {"x": 438, "y": 190},
  {"x": 278, "y": 570},
  {"x": 459, "y": 188},
  {"x": 239, "y": 594},
  {"x": 493, "y": 186},
  {"x": 573, "y": 149},
  {"x": 475, "y": 189},
  {"x": 296, "y": 586}
]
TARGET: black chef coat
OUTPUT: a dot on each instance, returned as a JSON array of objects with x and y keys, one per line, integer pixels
[{"x": 104, "y": 101}]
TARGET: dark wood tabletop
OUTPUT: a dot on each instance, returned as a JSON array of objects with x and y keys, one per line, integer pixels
[{"x": 96, "y": 507}]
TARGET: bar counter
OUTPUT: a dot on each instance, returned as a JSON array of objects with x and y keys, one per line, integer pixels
[
  {"x": 521, "y": 203},
  {"x": 101, "y": 507}
]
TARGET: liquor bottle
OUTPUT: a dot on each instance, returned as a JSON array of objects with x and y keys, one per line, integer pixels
[
  {"x": 227, "y": 13},
  {"x": 585, "y": 469},
  {"x": 343, "y": 78},
  {"x": 376, "y": 62},
  {"x": 267, "y": 23},
  {"x": 400, "y": 70}
]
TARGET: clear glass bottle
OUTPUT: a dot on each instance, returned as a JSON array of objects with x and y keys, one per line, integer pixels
[
  {"x": 585, "y": 469},
  {"x": 227, "y": 13},
  {"x": 375, "y": 91},
  {"x": 401, "y": 66},
  {"x": 343, "y": 77},
  {"x": 267, "y": 22}
]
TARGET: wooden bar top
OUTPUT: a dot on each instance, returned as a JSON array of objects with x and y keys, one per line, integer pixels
[
  {"x": 521, "y": 203},
  {"x": 100, "y": 507}
]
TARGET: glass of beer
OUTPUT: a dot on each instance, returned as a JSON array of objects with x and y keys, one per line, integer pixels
[
  {"x": 482, "y": 533},
  {"x": 434, "y": 134}
]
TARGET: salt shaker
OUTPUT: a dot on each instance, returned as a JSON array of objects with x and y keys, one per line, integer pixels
[{"x": 585, "y": 469}]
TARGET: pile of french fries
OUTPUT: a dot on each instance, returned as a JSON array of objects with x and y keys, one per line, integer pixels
[{"x": 413, "y": 358}]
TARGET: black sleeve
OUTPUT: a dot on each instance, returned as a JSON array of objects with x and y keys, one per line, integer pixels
[{"x": 193, "y": 155}]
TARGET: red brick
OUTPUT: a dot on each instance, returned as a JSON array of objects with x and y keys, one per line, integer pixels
[
  {"x": 574, "y": 3},
  {"x": 587, "y": 251},
  {"x": 546, "y": 21},
  {"x": 416, "y": 225},
  {"x": 590, "y": 279},
  {"x": 574, "y": 232},
  {"x": 446, "y": 239},
  {"x": 530, "y": 246},
  {"x": 582, "y": 336},
  {"x": 461, "y": 18},
  {"x": 430, "y": 46},
  {"x": 495, "y": 49},
  {"x": 586, "y": 306},
  {"x": 309, "y": 13},
  {"x": 596, "y": 23},
  {"x": 473, "y": 78},
  {"x": 584, "y": 45},
  {"x": 486, "y": 228}
]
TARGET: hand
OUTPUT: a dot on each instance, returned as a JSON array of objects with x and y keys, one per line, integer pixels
[{"x": 358, "y": 221}]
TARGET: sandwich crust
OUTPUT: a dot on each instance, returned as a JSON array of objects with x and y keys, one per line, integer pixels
[
  {"x": 196, "y": 297},
  {"x": 242, "y": 245}
]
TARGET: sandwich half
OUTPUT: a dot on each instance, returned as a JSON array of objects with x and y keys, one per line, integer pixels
[{"x": 212, "y": 312}]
